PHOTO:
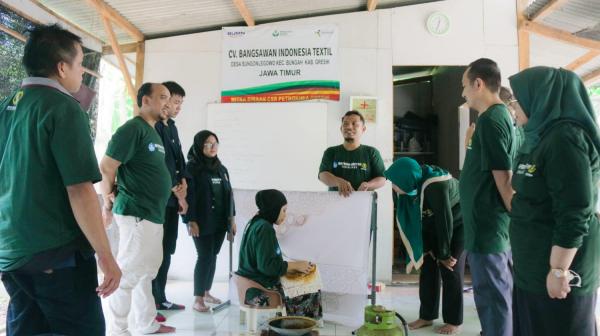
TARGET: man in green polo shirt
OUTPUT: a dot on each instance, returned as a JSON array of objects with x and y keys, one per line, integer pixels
[
  {"x": 351, "y": 166},
  {"x": 135, "y": 157},
  {"x": 49, "y": 210},
  {"x": 485, "y": 194}
]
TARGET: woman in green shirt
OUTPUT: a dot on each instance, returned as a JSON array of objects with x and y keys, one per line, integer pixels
[
  {"x": 261, "y": 258},
  {"x": 554, "y": 230},
  {"x": 431, "y": 228}
]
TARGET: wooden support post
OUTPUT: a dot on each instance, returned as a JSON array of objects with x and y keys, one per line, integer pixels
[
  {"x": 523, "y": 36},
  {"x": 115, "y": 46},
  {"x": 140, "y": 55},
  {"x": 371, "y": 5}
]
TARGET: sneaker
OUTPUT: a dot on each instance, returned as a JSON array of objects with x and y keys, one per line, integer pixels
[
  {"x": 160, "y": 318},
  {"x": 169, "y": 306}
]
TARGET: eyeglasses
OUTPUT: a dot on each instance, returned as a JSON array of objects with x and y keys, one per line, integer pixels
[{"x": 211, "y": 145}]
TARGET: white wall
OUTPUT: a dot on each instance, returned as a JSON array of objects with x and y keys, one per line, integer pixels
[{"x": 370, "y": 43}]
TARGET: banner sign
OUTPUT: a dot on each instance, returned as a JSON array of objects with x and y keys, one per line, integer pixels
[{"x": 269, "y": 64}]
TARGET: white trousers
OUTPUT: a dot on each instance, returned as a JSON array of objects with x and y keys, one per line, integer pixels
[{"x": 139, "y": 257}]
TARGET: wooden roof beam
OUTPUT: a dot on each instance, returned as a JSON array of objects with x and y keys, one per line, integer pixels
[
  {"x": 371, "y": 5},
  {"x": 66, "y": 21},
  {"x": 19, "y": 12},
  {"x": 114, "y": 16},
  {"x": 13, "y": 33},
  {"x": 590, "y": 55},
  {"x": 125, "y": 48},
  {"x": 550, "y": 7},
  {"x": 244, "y": 12},
  {"x": 591, "y": 77},
  {"x": 560, "y": 35},
  {"x": 52, "y": 13}
]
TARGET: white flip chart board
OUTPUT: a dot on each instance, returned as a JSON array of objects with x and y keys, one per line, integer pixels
[{"x": 271, "y": 145}]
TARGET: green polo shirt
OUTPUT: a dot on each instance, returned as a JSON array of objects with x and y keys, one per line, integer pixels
[
  {"x": 143, "y": 180},
  {"x": 485, "y": 217},
  {"x": 357, "y": 166},
  {"x": 45, "y": 146},
  {"x": 260, "y": 255},
  {"x": 556, "y": 193}
]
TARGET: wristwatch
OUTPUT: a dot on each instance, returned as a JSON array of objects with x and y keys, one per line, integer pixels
[{"x": 559, "y": 273}]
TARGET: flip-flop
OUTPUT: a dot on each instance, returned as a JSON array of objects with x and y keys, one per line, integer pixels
[
  {"x": 212, "y": 300},
  {"x": 202, "y": 310}
]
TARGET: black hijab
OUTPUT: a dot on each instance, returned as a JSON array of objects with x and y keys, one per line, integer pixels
[
  {"x": 197, "y": 161},
  {"x": 269, "y": 203}
]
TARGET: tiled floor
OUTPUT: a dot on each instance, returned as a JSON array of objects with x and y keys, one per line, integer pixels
[{"x": 226, "y": 322}]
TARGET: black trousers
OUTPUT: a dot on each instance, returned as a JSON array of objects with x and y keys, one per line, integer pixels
[
  {"x": 207, "y": 247},
  {"x": 63, "y": 302},
  {"x": 452, "y": 294},
  {"x": 538, "y": 314},
  {"x": 170, "y": 227}
]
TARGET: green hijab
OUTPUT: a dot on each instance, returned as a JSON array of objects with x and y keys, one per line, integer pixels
[
  {"x": 548, "y": 96},
  {"x": 408, "y": 175}
]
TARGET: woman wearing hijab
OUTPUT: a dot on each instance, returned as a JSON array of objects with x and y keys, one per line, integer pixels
[
  {"x": 428, "y": 211},
  {"x": 211, "y": 212},
  {"x": 554, "y": 232},
  {"x": 261, "y": 258}
]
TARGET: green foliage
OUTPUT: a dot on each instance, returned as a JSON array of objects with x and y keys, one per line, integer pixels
[{"x": 12, "y": 71}]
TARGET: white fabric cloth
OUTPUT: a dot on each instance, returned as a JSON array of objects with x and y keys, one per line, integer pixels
[
  {"x": 297, "y": 287},
  {"x": 332, "y": 232},
  {"x": 139, "y": 257}
]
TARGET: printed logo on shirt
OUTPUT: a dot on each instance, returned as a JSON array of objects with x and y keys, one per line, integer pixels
[
  {"x": 526, "y": 169},
  {"x": 15, "y": 101},
  {"x": 350, "y": 165},
  {"x": 153, "y": 147},
  {"x": 216, "y": 180},
  {"x": 427, "y": 213}
]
